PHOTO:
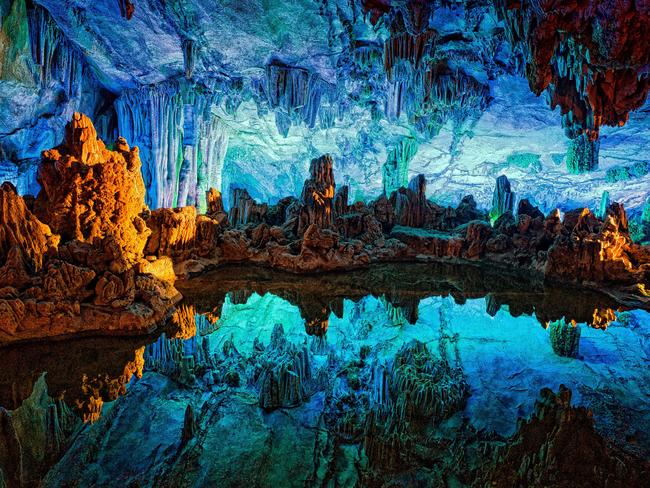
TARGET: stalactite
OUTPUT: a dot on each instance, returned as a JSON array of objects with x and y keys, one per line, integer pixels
[
  {"x": 296, "y": 95},
  {"x": 54, "y": 56},
  {"x": 189, "y": 425},
  {"x": 588, "y": 61},
  {"x": 582, "y": 154},
  {"x": 182, "y": 143},
  {"x": 412, "y": 391},
  {"x": 180, "y": 359},
  {"x": 413, "y": 48},
  {"x": 189, "y": 56},
  {"x": 396, "y": 167}
]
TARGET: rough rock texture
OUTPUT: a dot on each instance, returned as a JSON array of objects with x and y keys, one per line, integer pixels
[
  {"x": 324, "y": 233},
  {"x": 317, "y": 196},
  {"x": 89, "y": 274},
  {"x": 92, "y": 195},
  {"x": 590, "y": 57},
  {"x": 536, "y": 455},
  {"x": 503, "y": 199},
  {"x": 432, "y": 90},
  {"x": 373, "y": 402},
  {"x": 34, "y": 436},
  {"x": 21, "y": 232}
]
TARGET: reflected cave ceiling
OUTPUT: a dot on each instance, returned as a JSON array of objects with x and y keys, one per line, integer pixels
[{"x": 243, "y": 94}]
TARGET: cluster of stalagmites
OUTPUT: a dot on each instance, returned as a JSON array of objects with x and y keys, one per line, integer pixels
[
  {"x": 72, "y": 259},
  {"x": 400, "y": 412},
  {"x": 87, "y": 252},
  {"x": 33, "y": 436},
  {"x": 321, "y": 231},
  {"x": 385, "y": 407}
]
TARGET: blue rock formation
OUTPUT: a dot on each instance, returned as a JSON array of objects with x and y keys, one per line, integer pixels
[{"x": 217, "y": 96}]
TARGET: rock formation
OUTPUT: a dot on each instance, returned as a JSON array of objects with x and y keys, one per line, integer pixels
[
  {"x": 536, "y": 455},
  {"x": 323, "y": 232},
  {"x": 503, "y": 199},
  {"x": 76, "y": 262},
  {"x": 317, "y": 196},
  {"x": 565, "y": 338},
  {"x": 92, "y": 195},
  {"x": 590, "y": 58},
  {"x": 34, "y": 436},
  {"x": 93, "y": 202},
  {"x": 365, "y": 405}
]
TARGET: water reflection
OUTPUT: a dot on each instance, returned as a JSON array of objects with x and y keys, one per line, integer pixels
[
  {"x": 402, "y": 287},
  {"x": 396, "y": 374}
]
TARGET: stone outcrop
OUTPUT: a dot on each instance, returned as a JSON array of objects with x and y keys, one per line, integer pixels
[
  {"x": 92, "y": 195},
  {"x": 565, "y": 338},
  {"x": 76, "y": 262},
  {"x": 244, "y": 210},
  {"x": 503, "y": 199},
  {"x": 24, "y": 240},
  {"x": 367, "y": 404},
  {"x": 323, "y": 232},
  {"x": 34, "y": 436},
  {"x": 79, "y": 257}
]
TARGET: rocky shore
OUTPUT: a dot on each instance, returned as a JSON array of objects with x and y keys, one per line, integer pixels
[{"x": 87, "y": 255}]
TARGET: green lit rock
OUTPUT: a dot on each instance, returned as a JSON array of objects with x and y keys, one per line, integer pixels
[
  {"x": 640, "y": 226},
  {"x": 565, "y": 338},
  {"x": 503, "y": 199},
  {"x": 625, "y": 173},
  {"x": 604, "y": 203},
  {"x": 582, "y": 154},
  {"x": 396, "y": 168},
  {"x": 525, "y": 160}
]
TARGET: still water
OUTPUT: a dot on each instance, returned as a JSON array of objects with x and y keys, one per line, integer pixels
[{"x": 394, "y": 376}]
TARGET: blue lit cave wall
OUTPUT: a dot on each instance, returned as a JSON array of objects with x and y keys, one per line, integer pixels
[{"x": 243, "y": 94}]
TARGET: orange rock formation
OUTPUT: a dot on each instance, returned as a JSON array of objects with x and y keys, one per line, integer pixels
[{"x": 75, "y": 262}]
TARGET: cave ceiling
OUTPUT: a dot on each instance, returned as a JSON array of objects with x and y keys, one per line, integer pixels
[{"x": 243, "y": 94}]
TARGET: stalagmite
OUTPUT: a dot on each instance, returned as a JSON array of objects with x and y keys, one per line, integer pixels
[
  {"x": 85, "y": 249},
  {"x": 565, "y": 338},
  {"x": 189, "y": 425},
  {"x": 604, "y": 203},
  {"x": 503, "y": 199},
  {"x": 244, "y": 210},
  {"x": 318, "y": 195},
  {"x": 189, "y": 56},
  {"x": 286, "y": 373}
]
